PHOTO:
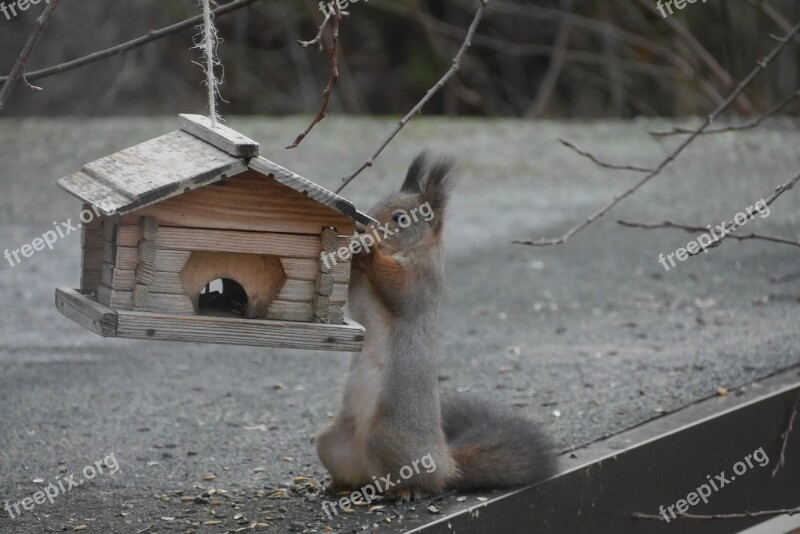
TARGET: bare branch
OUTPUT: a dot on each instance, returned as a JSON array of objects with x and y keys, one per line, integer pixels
[
  {"x": 738, "y": 128},
  {"x": 334, "y": 77},
  {"x": 456, "y": 65},
  {"x": 760, "y": 66},
  {"x": 729, "y": 228},
  {"x": 17, "y": 71},
  {"x": 786, "y": 278},
  {"x": 714, "y": 517},
  {"x": 591, "y": 157},
  {"x": 130, "y": 45},
  {"x": 704, "y": 55},
  {"x": 776, "y": 17},
  {"x": 785, "y": 437},
  {"x": 694, "y": 229},
  {"x": 318, "y": 39}
]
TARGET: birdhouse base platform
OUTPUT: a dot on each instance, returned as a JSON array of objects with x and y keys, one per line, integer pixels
[{"x": 84, "y": 310}]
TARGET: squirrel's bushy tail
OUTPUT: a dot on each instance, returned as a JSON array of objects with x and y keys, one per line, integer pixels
[{"x": 494, "y": 449}]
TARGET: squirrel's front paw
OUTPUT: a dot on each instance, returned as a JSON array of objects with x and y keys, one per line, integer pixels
[{"x": 407, "y": 494}]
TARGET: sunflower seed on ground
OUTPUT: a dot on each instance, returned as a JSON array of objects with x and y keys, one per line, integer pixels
[{"x": 209, "y": 477}]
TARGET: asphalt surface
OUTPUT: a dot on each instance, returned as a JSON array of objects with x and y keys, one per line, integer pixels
[{"x": 589, "y": 338}]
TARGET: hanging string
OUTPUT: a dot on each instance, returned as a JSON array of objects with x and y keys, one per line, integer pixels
[{"x": 208, "y": 43}]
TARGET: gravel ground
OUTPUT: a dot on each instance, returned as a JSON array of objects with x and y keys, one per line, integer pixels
[{"x": 590, "y": 338}]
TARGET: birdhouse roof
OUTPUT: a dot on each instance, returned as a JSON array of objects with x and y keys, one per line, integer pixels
[{"x": 192, "y": 157}]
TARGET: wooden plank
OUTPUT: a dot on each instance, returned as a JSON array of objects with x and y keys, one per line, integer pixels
[
  {"x": 296, "y": 291},
  {"x": 248, "y": 201},
  {"x": 147, "y": 252},
  {"x": 151, "y": 172},
  {"x": 148, "y": 227},
  {"x": 336, "y": 314},
  {"x": 310, "y": 189},
  {"x": 111, "y": 298},
  {"x": 221, "y": 137},
  {"x": 126, "y": 258},
  {"x": 110, "y": 226},
  {"x": 306, "y": 269},
  {"x": 140, "y": 297},
  {"x": 304, "y": 291},
  {"x": 347, "y": 337},
  {"x": 125, "y": 280},
  {"x": 117, "y": 279},
  {"x": 158, "y": 302},
  {"x": 91, "y": 253},
  {"x": 90, "y": 280},
  {"x": 323, "y": 286},
  {"x": 128, "y": 235},
  {"x": 86, "y": 312},
  {"x": 339, "y": 294},
  {"x": 321, "y": 309},
  {"x": 171, "y": 261},
  {"x": 283, "y": 245},
  {"x": 145, "y": 273},
  {"x": 290, "y": 311}
]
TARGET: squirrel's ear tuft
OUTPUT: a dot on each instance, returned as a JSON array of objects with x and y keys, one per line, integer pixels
[
  {"x": 437, "y": 188},
  {"x": 413, "y": 181}
]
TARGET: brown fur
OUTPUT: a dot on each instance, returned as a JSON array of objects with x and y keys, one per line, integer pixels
[{"x": 391, "y": 414}]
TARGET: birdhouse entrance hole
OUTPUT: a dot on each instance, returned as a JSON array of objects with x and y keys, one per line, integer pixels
[
  {"x": 223, "y": 297},
  {"x": 242, "y": 285}
]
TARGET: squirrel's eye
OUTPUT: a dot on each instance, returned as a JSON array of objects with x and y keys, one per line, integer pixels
[{"x": 400, "y": 217}]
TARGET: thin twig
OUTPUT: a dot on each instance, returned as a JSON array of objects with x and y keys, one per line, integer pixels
[
  {"x": 736, "y": 128},
  {"x": 17, "y": 71},
  {"x": 776, "y": 17},
  {"x": 334, "y": 77},
  {"x": 693, "y": 229},
  {"x": 555, "y": 66},
  {"x": 786, "y": 278},
  {"x": 761, "y": 65},
  {"x": 591, "y": 157},
  {"x": 454, "y": 67},
  {"x": 704, "y": 55},
  {"x": 729, "y": 228},
  {"x": 714, "y": 517},
  {"x": 130, "y": 45},
  {"x": 318, "y": 39},
  {"x": 785, "y": 437}
]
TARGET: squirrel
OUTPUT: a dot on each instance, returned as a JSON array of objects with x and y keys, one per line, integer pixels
[{"x": 392, "y": 414}]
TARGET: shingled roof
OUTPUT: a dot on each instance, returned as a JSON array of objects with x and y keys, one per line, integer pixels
[{"x": 187, "y": 159}]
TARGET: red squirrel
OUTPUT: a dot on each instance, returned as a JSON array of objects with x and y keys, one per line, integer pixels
[{"x": 392, "y": 414}]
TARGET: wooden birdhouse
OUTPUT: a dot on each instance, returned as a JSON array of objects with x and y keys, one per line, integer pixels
[{"x": 200, "y": 239}]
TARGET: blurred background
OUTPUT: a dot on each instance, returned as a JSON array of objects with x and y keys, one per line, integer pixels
[{"x": 548, "y": 58}]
